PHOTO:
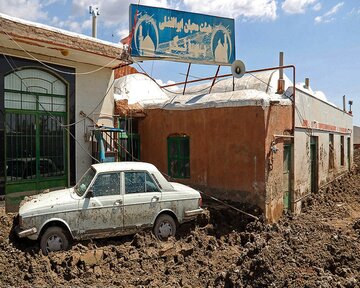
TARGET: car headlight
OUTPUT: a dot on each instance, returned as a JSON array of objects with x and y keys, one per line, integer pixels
[{"x": 20, "y": 221}]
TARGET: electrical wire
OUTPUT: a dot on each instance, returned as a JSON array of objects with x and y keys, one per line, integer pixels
[
  {"x": 50, "y": 114},
  {"x": 173, "y": 92},
  {"x": 58, "y": 70},
  {"x": 308, "y": 129},
  {"x": 92, "y": 111}
]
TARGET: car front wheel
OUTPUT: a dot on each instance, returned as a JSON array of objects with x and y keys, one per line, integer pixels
[
  {"x": 164, "y": 227},
  {"x": 54, "y": 239}
]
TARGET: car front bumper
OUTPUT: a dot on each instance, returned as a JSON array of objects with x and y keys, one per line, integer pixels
[{"x": 26, "y": 232}]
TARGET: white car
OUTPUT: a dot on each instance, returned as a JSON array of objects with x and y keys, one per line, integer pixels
[{"x": 111, "y": 199}]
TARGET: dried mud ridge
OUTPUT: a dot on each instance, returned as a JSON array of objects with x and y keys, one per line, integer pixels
[{"x": 319, "y": 248}]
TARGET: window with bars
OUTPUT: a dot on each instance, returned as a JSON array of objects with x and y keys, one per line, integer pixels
[
  {"x": 34, "y": 89},
  {"x": 179, "y": 156},
  {"x": 129, "y": 140},
  {"x": 35, "y": 107}
]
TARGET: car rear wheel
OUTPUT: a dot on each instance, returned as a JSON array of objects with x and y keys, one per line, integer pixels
[
  {"x": 164, "y": 227},
  {"x": 54, "y": 239}
]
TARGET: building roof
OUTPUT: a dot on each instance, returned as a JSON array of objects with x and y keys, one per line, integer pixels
[
  {"x": 34, "y": 39},
  {"x": 141, "y": 89},
  {"x": 250, "y": 90},
  {"x": 258, "y": 90}
]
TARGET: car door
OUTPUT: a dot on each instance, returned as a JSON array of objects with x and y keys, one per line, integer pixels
[
  {"x": 141, "y": 199},
  {"x": 102, "y": 214}
]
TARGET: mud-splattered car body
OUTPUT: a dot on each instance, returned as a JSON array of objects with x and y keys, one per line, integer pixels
[{"x": 111, "y": 199}]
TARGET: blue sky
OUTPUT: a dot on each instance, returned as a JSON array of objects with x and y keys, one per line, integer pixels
[{"x": 321, "y": 38}]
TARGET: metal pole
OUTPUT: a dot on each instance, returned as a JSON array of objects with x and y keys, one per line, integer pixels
[
  {"x": 187, "y": 76},
  {"x": 93, "y": 26},
  {"x": 227, "y": 75},
  {"x": 94, "y": 11},
  {"x": 216, "y": 74}
]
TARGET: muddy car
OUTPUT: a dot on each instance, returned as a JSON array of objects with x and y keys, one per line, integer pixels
[{"x": 111, "y": 199}]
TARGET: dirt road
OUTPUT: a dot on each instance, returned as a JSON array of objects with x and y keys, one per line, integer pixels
[{"x": 319, "y": 248}]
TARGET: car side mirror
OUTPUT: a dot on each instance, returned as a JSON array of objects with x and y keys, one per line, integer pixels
[{"x": 90, "y": 194}]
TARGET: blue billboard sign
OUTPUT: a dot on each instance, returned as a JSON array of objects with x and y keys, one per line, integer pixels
[{"x": 159, "y": 33}]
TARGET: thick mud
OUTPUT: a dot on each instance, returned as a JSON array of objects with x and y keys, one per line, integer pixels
[{"x": 319, "y": 248}]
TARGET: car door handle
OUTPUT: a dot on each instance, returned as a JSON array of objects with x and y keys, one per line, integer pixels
[
  {"x": 118, "y": 202},
  {"x": 155, "y": 198}
]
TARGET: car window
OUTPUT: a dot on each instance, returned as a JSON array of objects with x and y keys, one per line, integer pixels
[
  {"x": 139, "y": 182},
  {"x": 106, "y": 184},
  {"x": 85, "y": 181}
]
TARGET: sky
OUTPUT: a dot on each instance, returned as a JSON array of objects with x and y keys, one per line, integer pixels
[{"x": 320, "y": 37}]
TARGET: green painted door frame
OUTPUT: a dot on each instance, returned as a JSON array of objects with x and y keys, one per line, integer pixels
[
  {"x": 287, "y": 172},
  {"x": 35, "y": 141},
  {"x": 314, "y": 163},
  {"x": 349, "y": 152}
]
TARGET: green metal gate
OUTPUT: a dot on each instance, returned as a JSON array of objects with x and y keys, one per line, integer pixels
[{"x": 35, "y": 141}]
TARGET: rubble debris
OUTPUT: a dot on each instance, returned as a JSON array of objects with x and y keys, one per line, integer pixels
[{"x": 318, "y": 248}]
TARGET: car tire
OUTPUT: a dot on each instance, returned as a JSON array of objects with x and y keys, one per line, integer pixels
[
  {"x": 54, "y": 239},
  {"x": 164, "y": 227}
]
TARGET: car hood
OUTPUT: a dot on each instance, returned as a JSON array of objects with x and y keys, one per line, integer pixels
[{"x": 48, "y": 202}]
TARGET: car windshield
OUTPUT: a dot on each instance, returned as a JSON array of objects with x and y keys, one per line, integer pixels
[{"x": 85, "y": 181}]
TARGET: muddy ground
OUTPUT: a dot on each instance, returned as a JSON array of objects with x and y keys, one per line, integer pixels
[{"x": 319, "y": 248}]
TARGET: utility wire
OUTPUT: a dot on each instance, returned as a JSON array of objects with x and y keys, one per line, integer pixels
[
  {"x": 174, "y": 92},
  {"x": 58, "y": 70},
  {"x": 50, "y": 114},
  {"x": 92, "y": 111}
]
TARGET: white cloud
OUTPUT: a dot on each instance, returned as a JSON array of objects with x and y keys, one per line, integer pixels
[
  {"x": 318, "y": 94},
  {"x": 169, "y": 82},
  {"x": 321, "y": 95},
  {"x": 297, "y": 6},
  {"x": 51, "y": 2},
  {"x": 71, "y": 25},
  {"x": 328, "y": 16},
  {"x": 162, "y": 83},
  {"x": 25, "y": 9},
  {"x": 317, "y": 7},
  {"x": 122, "y": 33},
  {"x": 260, "y": 9},
  {"x": 112, "y": 12},
  {"x": 355, "y": 11}
]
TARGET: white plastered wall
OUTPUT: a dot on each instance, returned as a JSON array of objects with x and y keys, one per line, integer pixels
[
  {"x": 314, "y": 117},
  {"x": 90, "y": 88}
]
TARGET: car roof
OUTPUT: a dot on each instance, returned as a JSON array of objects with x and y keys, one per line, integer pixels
[{"x": 123, "y": 166}]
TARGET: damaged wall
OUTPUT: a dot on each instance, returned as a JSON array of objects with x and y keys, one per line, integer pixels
[
  {"x": 315, "y": 121},
  {"x": 278, "y": 129},
  {"x": 227, "y": 150}
]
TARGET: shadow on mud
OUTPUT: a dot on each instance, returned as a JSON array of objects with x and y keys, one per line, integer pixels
[
  {"x": 220, "y": 220},
  {"x": 23, "y": 244}
]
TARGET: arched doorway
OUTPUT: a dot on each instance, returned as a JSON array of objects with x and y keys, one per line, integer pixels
[{"x": 35, "y": 142}]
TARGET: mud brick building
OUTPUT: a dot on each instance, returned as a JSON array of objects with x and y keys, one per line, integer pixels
[{"x": 247, "y": 144}]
